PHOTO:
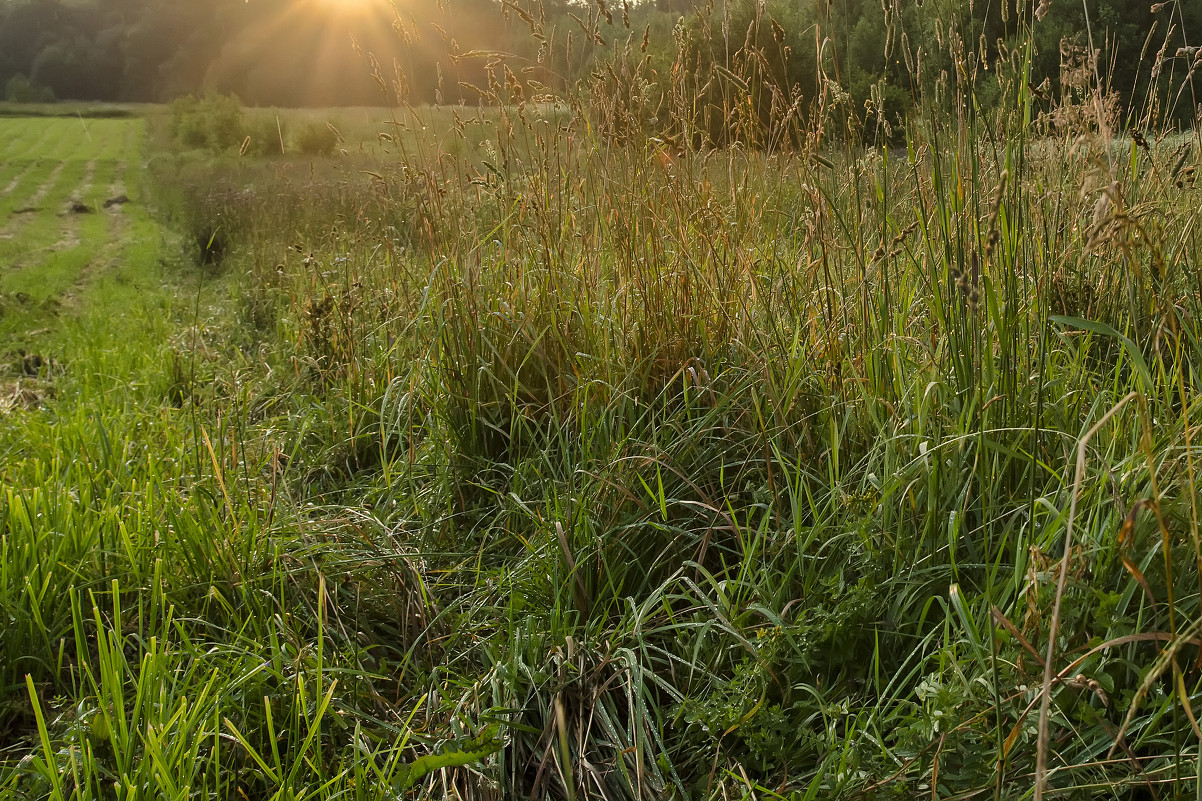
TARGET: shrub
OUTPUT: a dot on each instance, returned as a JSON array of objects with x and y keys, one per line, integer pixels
[
  {"x": 266, "y": 135},
  {"x": 213, "y": 121},
  {"x": 317, "y": 139}
]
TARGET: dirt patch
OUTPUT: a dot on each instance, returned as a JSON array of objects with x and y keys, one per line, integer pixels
[
  {"x": 117, "y": 197},
  {"x": 34, "y": 364},
  {"x": 75, "y": 204},
  {"x": 76, "y": 207},
  {"x": 18, "y": 395},
  {"x": 31, "y": 380}
]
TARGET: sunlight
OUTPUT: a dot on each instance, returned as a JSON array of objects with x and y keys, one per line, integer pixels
[{"x": 351, "y": 7}]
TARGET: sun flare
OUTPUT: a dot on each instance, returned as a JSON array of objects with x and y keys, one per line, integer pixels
[{"x": 351, "y": 7}]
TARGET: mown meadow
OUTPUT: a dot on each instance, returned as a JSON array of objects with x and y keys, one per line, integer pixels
[{"x": 528, "y": 451}]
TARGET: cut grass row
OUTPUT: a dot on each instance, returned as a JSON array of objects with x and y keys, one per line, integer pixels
[
  {"x": 47, "y": 250},
  {"x": 60, "y": 140},
  {"x": 37, "y": 147}
]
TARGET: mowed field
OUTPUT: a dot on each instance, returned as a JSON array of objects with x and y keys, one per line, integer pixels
[
  {"x": 56, "y": 175},
  {"x": 71, "y": 229}
]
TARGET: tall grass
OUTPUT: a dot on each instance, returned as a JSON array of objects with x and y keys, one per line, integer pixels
[{"x": 555, "y": 457}]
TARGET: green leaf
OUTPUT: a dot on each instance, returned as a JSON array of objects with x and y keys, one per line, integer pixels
[
  {"x": 1133, "y": 352},
  {"x": 463, "y": 753}
]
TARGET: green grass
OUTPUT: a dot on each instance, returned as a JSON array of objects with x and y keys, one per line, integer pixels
[
  {"x": 46, "y": 250},
  {"x": 497, "y": 459}
]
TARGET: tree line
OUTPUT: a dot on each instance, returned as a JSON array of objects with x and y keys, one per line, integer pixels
[{"x": 881, "y": 55}]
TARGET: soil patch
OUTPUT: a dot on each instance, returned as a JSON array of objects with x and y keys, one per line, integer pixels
[{"x": 16, "y": 395}]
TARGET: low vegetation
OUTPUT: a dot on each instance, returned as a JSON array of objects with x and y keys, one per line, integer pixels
[{"x": 530, "y": 452}]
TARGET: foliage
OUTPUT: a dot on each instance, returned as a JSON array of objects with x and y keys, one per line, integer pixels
[
  {"x": 317, "y": 139},
  {"x": 19, "y": 89},
  {"x": 211, "y": 121}
]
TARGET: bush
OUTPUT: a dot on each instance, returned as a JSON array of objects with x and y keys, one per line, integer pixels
[
  {"x": 317, "y": 139},
  {"x": 213, "y": 121},
  {"x": 266, "y": 135}
]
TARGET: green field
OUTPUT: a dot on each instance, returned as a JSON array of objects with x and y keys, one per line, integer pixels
[
  {"x": 78, "y": 249},
  {"x": 507, "y": 453}
]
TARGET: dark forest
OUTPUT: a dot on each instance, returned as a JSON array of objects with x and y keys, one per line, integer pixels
[{"x": 319, "y": 53}]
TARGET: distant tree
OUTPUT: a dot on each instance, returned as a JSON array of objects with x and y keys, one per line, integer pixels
[
  {"x": 889, "y": 57},
  {"x": 64, "y": 67},
  {"x": 19, "y": 89}
]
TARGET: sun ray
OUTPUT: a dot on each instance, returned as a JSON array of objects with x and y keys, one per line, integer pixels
[
  {"x": 352, "y": 8},
  {"x": 317, "y": 53}
]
